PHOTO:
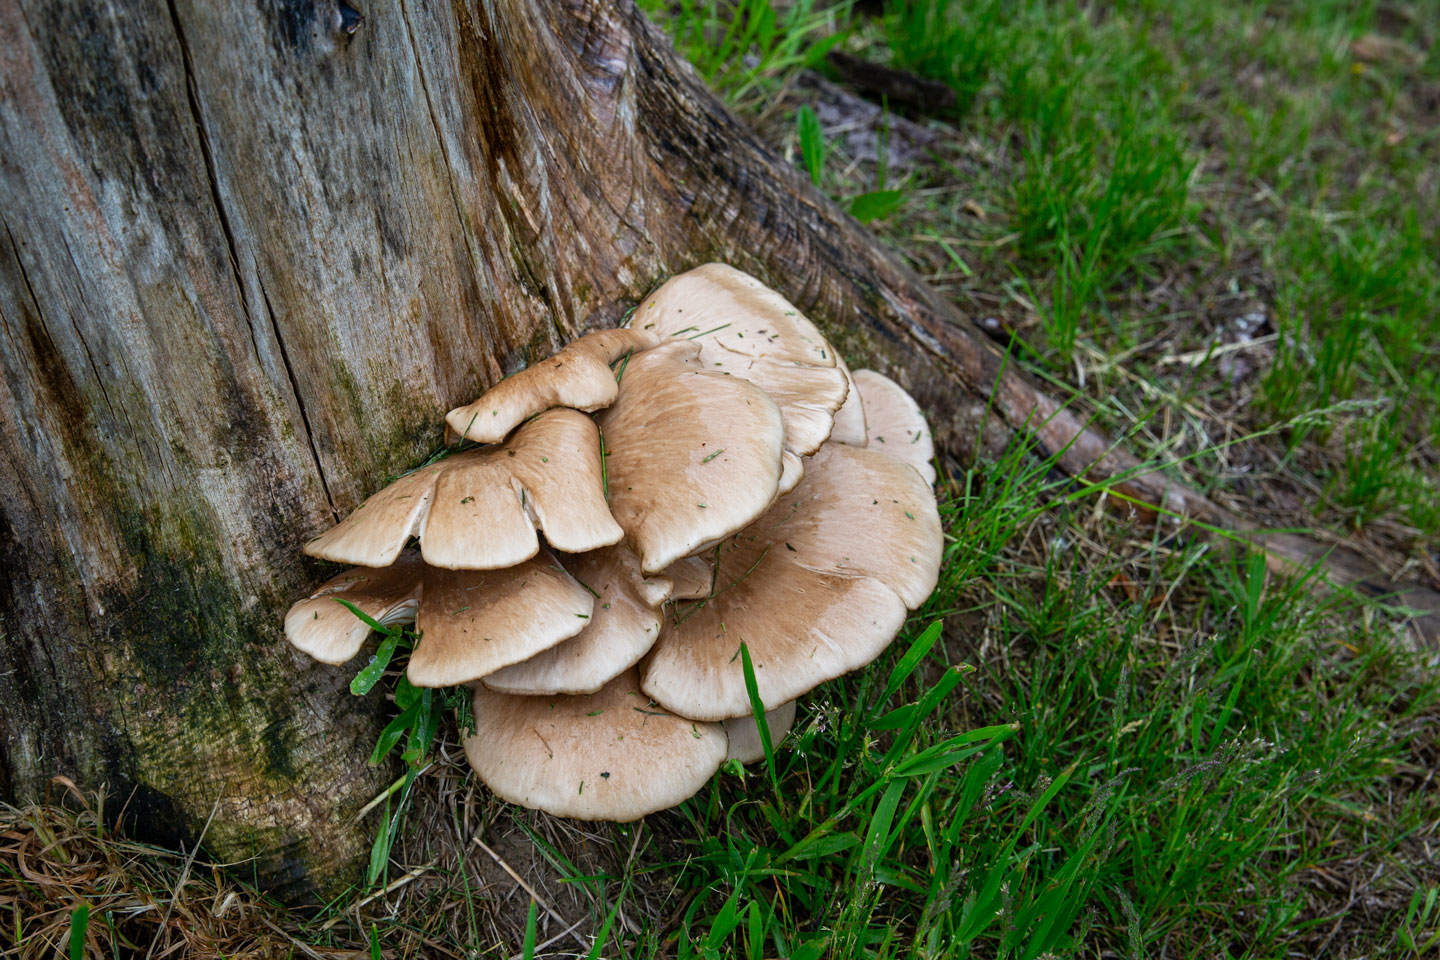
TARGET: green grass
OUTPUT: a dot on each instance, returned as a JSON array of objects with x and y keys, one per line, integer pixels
[
  {"x": 1102, "y": 188},
  {"x": 1069, "y": 750},
  {"x": 1138, "y": 162},
  {"x": 718, "y": 38},
  {"x": 1098, "y": 738},
  {"x": 1184, "y": 750}
]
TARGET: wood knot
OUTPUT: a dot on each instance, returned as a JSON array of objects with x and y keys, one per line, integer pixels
[{"x": 347, "y": 19}]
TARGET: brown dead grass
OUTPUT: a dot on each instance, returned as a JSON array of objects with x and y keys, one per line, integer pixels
[{"x": 144, "y": 901}]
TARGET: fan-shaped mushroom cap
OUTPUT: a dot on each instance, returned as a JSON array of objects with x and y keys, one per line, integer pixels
[
  {"x": 326, "y": 629},
  {"x": 612, "y": 755},
  {"x": 690, "y": 578},
  {"x": 579, "y": 376},
  {"x": 850, "y": 426},
  {"x": 792, "y": 471},
  {"x": 622, "y": 627},
  {"x": 471, "y": 622},
  {"x": 744, "y": 733},
  {"x": 478, "y": 510},
  {"x": 692, "y": 456},
  {"x": 817, "y": 587},
  {"x": 475, "y": 622},
  {"x": 747, "y": 329},
  {"x": 897, "y": 425}
]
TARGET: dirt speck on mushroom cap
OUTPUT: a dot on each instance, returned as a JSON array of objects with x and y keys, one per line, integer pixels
[{"x": 552, "y": 753}]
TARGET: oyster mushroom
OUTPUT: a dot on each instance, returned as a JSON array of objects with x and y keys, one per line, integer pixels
[
  {"x": 746, "y": 329},
  {"x": 692, "y": 456},
  {"x": 611, "y": 755},
  {"x": 622, "y": 627},
  {"x": 479, "y": 510},
  {"x": 816, "y": 587},
  {"x": 578, "y": 376},
  {"x": 896, "y": 424}
]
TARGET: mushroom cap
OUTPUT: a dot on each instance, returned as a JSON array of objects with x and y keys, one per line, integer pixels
[
  {"x": 747, "y": 329},
  {"x": 815, "y": 588},
  {"x": 474, "y": 622},
  {"x": 897, "y": 425},
  {"x": 622, "y": 627},
  {"x": 478, "y": 510},
  {"x": 792, "y": 471},
  {"x": 692, "y": 456},
  {"x": 850, "y": 425},
  {"x": 326, "y": 629},
  {"x": 611, "y": 755},
  {"x": 471, "y": 622},
  {"x": 579, "y": 376},
  {"x": 690, "y": 578},
  {"x": 744, "y": 733}
]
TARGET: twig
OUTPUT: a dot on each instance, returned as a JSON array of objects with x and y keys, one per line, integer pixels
[
  {"x": 390, "y": 888},
  {"x": 1195, "y": 357},
  {"x": 185, "y": 872},
  {"x": 562, "y": 933},
  {"x": 528, "y": 889},
  {"x": 306, "y": 950}
]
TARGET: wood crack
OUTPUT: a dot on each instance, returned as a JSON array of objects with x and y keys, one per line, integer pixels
[
  {"x": 212, "y": 176},
  {"x": 192, "y": 94},
  {"x": 35, "y": 302},
  {"x": 440, "y": 139},
  {"x": 295, "y": 389}
]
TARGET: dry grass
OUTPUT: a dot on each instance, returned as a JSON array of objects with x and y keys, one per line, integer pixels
[{"x": 61, "y": 857}]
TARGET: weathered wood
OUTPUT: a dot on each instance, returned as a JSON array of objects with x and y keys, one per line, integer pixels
[{"x": 248, "y": 261}]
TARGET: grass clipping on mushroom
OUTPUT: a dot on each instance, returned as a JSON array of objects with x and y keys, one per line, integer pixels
[{"x": 756, "y": 513}]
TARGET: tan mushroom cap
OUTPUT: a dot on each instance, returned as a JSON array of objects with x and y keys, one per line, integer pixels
[
  {"x": 747, "y": 329},
  {"x": 475, "y": 622},
  {"x": 579, "y": 376},
  {"x": 479, "y": 510},
  {"x": 471, "y": 622},
  {"x": 815, "y": 588},
  {"x": 692, "y": 456},
  {"x": 792, "y": 471},
  {"x": 897, "y": 425},
  {"x": 690, "y": 578},
  {"x": 612, "y": 755},
  {"x": 328, "y": 631},
  {"x": 744, "y": 733},
  {"x": 850, "y": 426},
  {"x": 622, "y": 627}
]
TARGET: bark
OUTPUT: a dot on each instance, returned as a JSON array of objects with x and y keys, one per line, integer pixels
[{"x": 249, "y": 259}]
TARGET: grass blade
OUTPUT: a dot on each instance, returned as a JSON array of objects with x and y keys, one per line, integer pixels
[
  {"x": 380, "y": 849},
  {"x": 757, "y": 707},
  {"x": 812, "y": 143},
  {"x": 916, "y": 652},
  {"x": 528, "y": 951},
  {"x": 878, "y": 834},
  {"x": 79, "y": 923},
  {"x": 371, "y": 673}
]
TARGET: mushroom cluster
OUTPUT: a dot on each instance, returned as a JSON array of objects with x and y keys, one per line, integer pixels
[{"x": 641, "y": 504}]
